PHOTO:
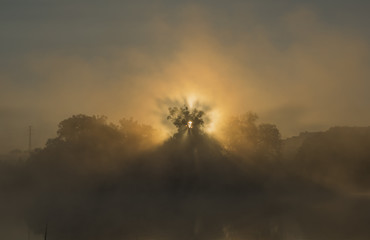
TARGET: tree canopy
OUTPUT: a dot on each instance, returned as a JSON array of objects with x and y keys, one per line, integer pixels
[
  {"x": 244, "y": 135},
  {"x": 180, "y": 117}
]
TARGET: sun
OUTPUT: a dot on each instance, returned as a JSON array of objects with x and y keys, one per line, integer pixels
[{"x": 213, "y": 114}]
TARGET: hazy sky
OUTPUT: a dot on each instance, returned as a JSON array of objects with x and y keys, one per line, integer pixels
[{"x": 302, "y": 65}]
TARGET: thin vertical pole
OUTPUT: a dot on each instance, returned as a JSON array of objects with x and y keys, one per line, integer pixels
[
  {"x": 46, "y": 231},
  {"x": 29, "y": 138}
]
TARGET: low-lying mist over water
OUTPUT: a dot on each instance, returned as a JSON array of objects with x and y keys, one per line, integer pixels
[{"x": 98, "y": 180}]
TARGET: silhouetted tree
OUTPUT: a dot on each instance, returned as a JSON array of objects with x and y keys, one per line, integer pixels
[
  {"x": 139, "y": 135},
  {"x": 243, "y": 135},
  {"x": 189, "y": 189},
  {"x": 81, "y": 125},
  {"x": 181, "y": 118},
  {"x": 241, "y": 132},
  {"x": 269, "y": 139}
]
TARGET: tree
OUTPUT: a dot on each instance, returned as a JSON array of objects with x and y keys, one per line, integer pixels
[
  {"x": 137, "y": 135},
  {"x": 185, "y": 119},
  {"x": 243, "y": 135},
  {"x": 241, "y": 132},
  {"x": 269, "y": 139},
  {"x": 83, "y": 126}
]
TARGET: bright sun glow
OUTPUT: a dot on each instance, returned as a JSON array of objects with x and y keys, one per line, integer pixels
[
  {"x": 191, "y": 99},
  {"x": 213, "y": 116}
]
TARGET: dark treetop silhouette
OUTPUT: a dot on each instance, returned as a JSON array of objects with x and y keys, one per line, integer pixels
[
  {"x": 98, "y": 180},
  {"x": 181, "y": 117}
]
